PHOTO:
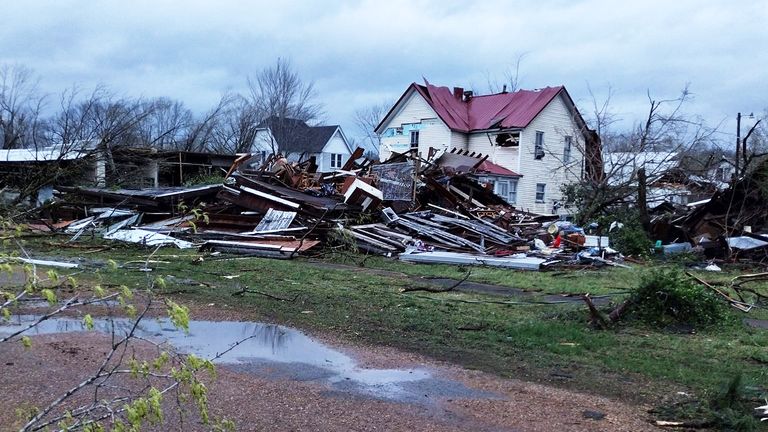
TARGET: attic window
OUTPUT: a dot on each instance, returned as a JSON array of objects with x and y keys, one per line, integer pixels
[{"x": 508, "y": 139}]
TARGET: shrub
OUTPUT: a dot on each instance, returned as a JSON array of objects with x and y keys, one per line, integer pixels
[{"x": 665, "y": 298}]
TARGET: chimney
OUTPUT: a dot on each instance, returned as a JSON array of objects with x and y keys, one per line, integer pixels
[
  {"x": 504, "y": 90},
  {"x": 458, "y": 92}
]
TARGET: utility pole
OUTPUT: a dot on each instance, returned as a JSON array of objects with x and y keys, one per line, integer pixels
[{"x": 738, "y": 145}]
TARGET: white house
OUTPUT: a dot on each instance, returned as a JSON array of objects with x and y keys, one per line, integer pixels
[
  {"x": 537, "y": 136},
  {"x": 299, "y": 142}
]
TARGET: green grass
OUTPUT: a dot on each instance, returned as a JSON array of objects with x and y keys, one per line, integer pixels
[{"x": 544, "y": 343}]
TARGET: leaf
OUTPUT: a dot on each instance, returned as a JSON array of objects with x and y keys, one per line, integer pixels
[
  {"x": 26, "y": 341},
  {"x": 49, "y": 295},
  {"x": 88, "y": 321}
]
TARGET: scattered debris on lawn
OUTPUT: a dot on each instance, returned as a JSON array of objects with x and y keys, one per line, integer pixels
[{"x": 422, "y": 210}]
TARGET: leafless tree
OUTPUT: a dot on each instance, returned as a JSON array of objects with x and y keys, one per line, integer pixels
[
  {"x": 279, "y": 95},
  {"x": 236, "y": 130},
  {"x": 366, "y": 120},
  {"x": 635, "y": 158},
  {"x": 167, "y": 123},
  {"x": 199, "y": 135},
  {"x": 21, "y": 123},
  {"x": 510, "y": 80}
]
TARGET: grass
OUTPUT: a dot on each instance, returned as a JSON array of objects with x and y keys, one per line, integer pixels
[{"x": 543, "y": 343}]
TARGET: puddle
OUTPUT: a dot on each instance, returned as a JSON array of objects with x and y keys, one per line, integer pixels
[{"x": 274, "y": 352}]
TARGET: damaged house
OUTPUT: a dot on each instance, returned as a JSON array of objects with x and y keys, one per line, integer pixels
[
  {"x": 300, "y": 142},
  {"x": 535, "y": 140},
  {"x": 35, "y": 172}
]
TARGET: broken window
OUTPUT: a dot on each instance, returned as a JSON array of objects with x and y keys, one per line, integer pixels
[
  {"x": 538, "y": 149},
  {"x": 508, "y": 139}
]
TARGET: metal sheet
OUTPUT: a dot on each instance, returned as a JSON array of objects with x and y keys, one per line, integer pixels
[
  {"x": 275, "y": 220},
  {"x": 523, "y": 263}
]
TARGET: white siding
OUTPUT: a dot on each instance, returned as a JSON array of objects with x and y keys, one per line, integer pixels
[
  {"x": 263, "y": 141},
  {"x": 336, "y": 145},
  {"x": 556, "y": 123},
  {"x": 504, "y": 156},
  {"x": 459, "y": 140},
  {"x": 415, "y": 111}
]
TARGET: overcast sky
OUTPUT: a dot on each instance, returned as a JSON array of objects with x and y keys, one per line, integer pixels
[{"x": 360, "y": 53}]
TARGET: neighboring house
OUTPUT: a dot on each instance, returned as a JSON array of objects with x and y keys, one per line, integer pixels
[
  {"x": 537, "y": 137},
  {"x": 722, "y": 171},
  {"x": 667, "y": 180},
  {"x": 299, "y": 142},
  {"x": 83, "y": 163}
]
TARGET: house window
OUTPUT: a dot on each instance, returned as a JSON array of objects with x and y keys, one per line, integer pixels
[
  {"x": 567, "y": 149},
  {"x": 541, "y": 189},
  {"x": 414, "y": 139},
  {"x": 507, "y": 189},
  {"x": 538, "y": 149},
  {"x": 502, "y": 189},
  {"x": 508, "y": 139},
  {"x": 336, "y": 160}
]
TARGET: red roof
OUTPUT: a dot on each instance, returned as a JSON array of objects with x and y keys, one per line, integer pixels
[
  {"x": 500, "y": 110},
  {"x": 493, "y": 169}
]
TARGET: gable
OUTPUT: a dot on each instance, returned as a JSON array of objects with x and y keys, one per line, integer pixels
[
  {"x": 412, "y": 107},
  {"x": 337, "y": 143}
]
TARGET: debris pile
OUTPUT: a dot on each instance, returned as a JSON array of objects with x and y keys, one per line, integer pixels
[
  {"x": 422, "y": 210},
  {"x": 731, "y": 225}
]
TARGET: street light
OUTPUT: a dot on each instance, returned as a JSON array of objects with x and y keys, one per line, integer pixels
[{"x": 741, "y": 144}]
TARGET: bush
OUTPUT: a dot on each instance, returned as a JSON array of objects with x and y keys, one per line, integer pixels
[
  {"x": 665, "y": 298},
  {"x": 631, "y": 239}
]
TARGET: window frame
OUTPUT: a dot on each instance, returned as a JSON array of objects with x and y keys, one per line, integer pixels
[
  {"x": 543, "y": 193},
  {"x": 336, "y": 160},
  {"x": 538, "y": 145},
  {"x": 567, "y": 149},
  {"x": 414, "y": 144}
]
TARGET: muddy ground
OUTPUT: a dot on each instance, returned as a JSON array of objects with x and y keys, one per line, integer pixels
[{"x": 328, "y": 386}]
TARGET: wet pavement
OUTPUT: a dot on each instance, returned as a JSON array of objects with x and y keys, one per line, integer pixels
[{"x": 273, "y": 352}]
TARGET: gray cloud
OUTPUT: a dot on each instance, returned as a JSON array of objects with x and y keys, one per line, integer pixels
[{"x": 363, "y": 52}]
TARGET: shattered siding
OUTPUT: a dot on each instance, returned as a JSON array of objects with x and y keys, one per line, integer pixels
[{"x": 414, "y": 114}]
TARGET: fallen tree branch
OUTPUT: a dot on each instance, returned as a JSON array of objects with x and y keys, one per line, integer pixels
[
  {"x": 438, "y": 290},
  {"x": 245, "y": 290}
]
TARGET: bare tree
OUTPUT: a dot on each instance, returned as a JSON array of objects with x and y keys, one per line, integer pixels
[
  {"x": 634, "y": 159},
  {"x": 236, "y": 130},
  {"x": 510, "y": 80},
  {"x": 166, "y": 124},
  {"x": 366, "y": 120},
  {"x": 199, "y": 134},
  {"x": 20, "y": 107},
  {"x": 279, "y": 95}
]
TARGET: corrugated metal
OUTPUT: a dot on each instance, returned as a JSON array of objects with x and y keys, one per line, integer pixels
[{"x": 507, "y": 110}]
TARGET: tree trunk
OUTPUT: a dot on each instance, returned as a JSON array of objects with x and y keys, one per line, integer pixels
[{"x": 642, "y": 200}]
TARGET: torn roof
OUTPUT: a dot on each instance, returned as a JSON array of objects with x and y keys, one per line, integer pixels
[
  {"x": 61, "y": 152},
  {"x": 501, "y": 110}
]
